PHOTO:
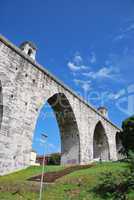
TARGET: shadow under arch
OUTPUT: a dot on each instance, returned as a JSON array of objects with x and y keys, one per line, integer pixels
[
  {"x": 69, "y": 133},
  {"x": 1, "y": 104},
  {"x": 100, "y": 143},
  {"x": 118, "y": 146}
]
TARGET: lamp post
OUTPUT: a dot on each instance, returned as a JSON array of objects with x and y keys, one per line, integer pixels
[{"x": 43, "y": 166}]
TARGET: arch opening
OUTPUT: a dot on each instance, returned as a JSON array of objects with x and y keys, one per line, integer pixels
[
  {"x": 118, "y": 146},
  {"x": 69, "y": 134},
  {"x": 1, "y": 104},
  {"x": 30, "y": 52},
  {"x": 100, "y": 144}
]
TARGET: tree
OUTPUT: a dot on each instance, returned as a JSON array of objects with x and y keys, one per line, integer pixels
[
  {"x": 117, "y": 185},
  {"x": 54, "y": 159},
  {"x": 127, "y": 135}
]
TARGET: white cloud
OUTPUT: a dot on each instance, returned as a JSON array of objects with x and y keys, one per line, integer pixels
[
  {"x": 104, "y": 72},
  {"x": 130, "y": 28},
  {"x": 50, "y": 145},
  {"x": 74, "y": 67},
  {"x": 119, "y": 37},
  {"x": 85, "y": 85},
  {"x": 115, "y": 96},
  {"x": 124, "y": 32},
  {"x": 78, "y": 59},
  {"x": 123, "y": 62},
  {"x": 79, "y": 81},
  {"x": 76, "y": 64},
  {"x": 92, "y": 58},
  {"x": 84, "y": 76},
  {"x": 53, "y": 148},
  {"x": 40, "y": 140}
]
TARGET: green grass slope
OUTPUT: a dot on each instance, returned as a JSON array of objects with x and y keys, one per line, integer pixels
[
  {"x": 78, "y": 185},
  {"x": 16, "y": 187},
  {"x": 75, "y": 186}
]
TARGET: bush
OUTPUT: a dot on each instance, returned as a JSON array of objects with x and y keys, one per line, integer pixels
[
  {"x": 117, "y": 185},
  {"x": 54, "y": 159}
]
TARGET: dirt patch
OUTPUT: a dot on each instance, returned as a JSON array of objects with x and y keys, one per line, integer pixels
[{"x": 50, "y": 177}]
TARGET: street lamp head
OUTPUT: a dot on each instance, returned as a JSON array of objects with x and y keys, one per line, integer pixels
[{"x": 45, "y": 136}]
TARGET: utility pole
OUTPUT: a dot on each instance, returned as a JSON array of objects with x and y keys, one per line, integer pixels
[{"x": 43, "y": 166}]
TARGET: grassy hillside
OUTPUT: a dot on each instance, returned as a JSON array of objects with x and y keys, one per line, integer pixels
[
  {"x": 75, "y": 186},
  {"x": 79, "y": 185},
  {"x": 16, "y": 187}
]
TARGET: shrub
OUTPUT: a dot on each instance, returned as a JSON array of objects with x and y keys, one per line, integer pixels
[
  {"x": 54, "y": 159},
  {"x": 117, "y": 185}
]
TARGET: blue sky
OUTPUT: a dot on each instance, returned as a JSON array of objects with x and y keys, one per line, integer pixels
[{"x": 88, "y": 44}]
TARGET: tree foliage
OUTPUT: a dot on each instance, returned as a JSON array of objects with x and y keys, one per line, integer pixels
[
  {"x": 54, "y": 159},
  {"x": 116, "y": 186},
  {"x": 127, "y": 135}
]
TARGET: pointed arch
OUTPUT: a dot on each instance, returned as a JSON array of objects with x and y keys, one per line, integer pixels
[
  {"x": 100, "y": 143},
  {"x": 118, "y": 146},
  {"x": 69, "y": 133}
]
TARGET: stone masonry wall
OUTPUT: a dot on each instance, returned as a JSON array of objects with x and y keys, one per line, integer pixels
[{"x": 26, "y": 86}]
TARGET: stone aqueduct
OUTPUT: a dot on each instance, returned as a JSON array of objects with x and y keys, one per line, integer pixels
[{"x": 24, "y": 88}]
